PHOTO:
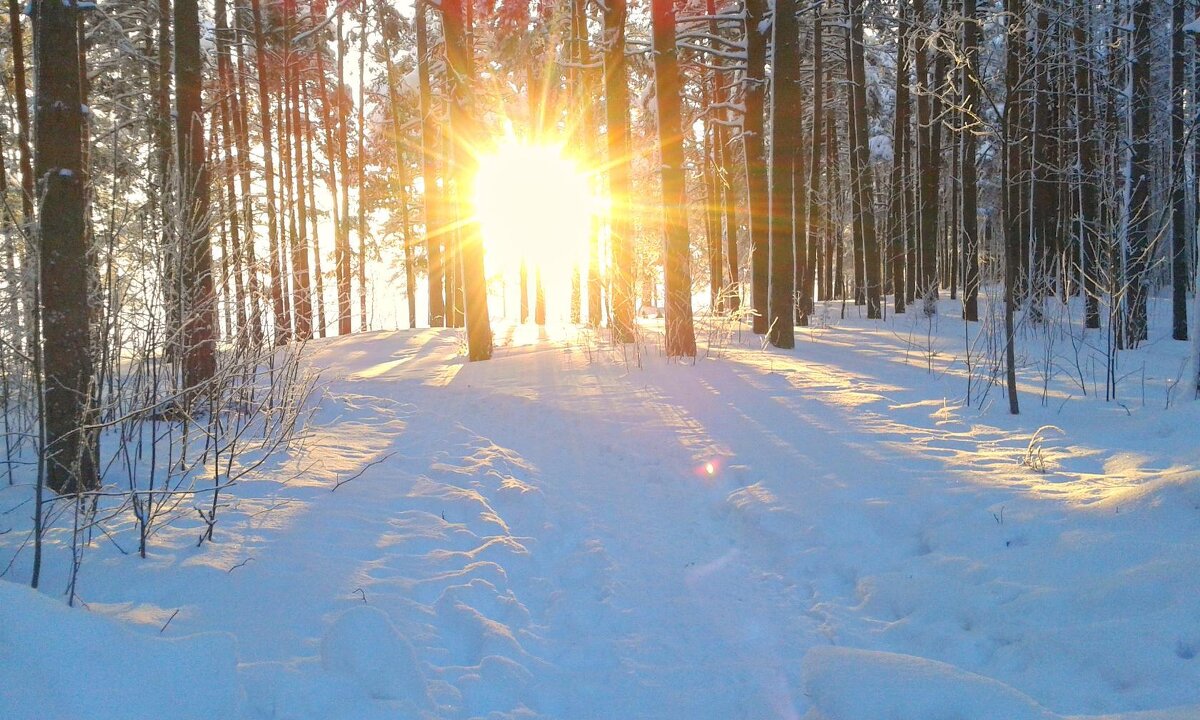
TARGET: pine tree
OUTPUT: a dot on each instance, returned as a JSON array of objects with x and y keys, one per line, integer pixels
[
  {"x": 680, "y": 334},
  {"x": 65, "y": 350}
]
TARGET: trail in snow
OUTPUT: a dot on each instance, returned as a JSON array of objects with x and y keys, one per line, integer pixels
[{"x": 561, "y": 533}]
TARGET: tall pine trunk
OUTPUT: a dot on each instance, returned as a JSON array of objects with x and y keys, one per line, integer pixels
[
  {"x": 301, "y": 281},
  {"x": 785, "y": 148},
  {"x": 616, "y": 105},
  {"x": 1010, "y": 190},
  {"x": 460, "y": 72},
  {"x": 680, "y": 334},
  {"x": 65, "y": 350},
  {"x": 970, "y": 189},
  {"x": 1141, "y": 214},
  {"x": 898, "y": 209},
  {"x": 283, "y": 324},
  {"x": 1179, "y": 228},
  {"x": 757, "y": 174},
  {"x": 199, "y": 318}
]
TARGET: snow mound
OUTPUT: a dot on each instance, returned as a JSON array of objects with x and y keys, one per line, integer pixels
[
  {"x": 364, "y": 645},
  {"x": 846, "y": 684},
  {"x": 66, "y": 663}
]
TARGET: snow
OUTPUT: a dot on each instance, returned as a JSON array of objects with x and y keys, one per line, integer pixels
[
  {"x": 575, "y": 531},
  {"x": 60, "y": 663}
]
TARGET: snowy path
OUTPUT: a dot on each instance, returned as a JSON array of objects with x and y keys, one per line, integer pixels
[{"x": 559, "y": 533}]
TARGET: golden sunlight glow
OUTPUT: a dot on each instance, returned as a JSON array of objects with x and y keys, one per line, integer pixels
[{"x": 535, "y": 204}]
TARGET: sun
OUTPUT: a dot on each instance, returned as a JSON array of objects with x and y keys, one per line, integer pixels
[{"x": 535, "y": 205}]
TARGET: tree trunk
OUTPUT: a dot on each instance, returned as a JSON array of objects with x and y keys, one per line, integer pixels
[
  {"x": 757, "y": 189},
  {"x": 460, "y": 76},
  {"x": 228, "y": 95},
  {"x": 1089, "y": 189},
  {"x": 283, "y": 325},
  {"x": 433, "y": 248},
  {"x": 301, "y": 283},
  {"x": 242, "y": 140},
  {"x": 19, "y": 90},
  {"x": 785, "y": 148},
  {"x": 970, "y": 189},
  {"x": 1179, "y": 227},
  {"x": 1141, "y": 214},
  {"x": 401, "y": 167},
  {"x": 928, "y": 157},
  {"x": 616, "y": 105},
  {"x": 1010, "y": 192},
  {"x": 65, "y": 349},
  {"x": 318, "y": 275},
  {"x": 814, "y": 226},
  {"x": 681, "y": 337},
  {"x": 342, "y": 249},
  {"x": 362, "y": 170},
  {"x": 864, "y": 184},
  {"x": 199, "y": 318},
  {"x": 898, "y": 208}
]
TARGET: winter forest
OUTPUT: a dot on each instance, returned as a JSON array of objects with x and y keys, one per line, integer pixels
[{"x": 511, "y": 359}]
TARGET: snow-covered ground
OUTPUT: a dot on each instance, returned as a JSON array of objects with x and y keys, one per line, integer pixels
[{"x": 573, "y": 531}]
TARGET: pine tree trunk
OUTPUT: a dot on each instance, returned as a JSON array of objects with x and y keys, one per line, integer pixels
[
  {"x": 362, "y": 171},
  {"x": 680, "y": 334},
  {"x": 1141, "y": 214},
  {"x": 342, "y": 249},
  {"x": 433, "y": 248},
  {"x": 970, "y": 186},
  {"x": 64, "y": 267},
  {"x": 283, "y": 325},
  {"x": 927, "y": 158},
  {"x": 242, "y": 141},
  {"x": 1089, "y": 202},
  {"x": 401, "y": 167},
  {"x": 616, "y": 105},
  {"x": 199, "y": 319},
  {"x": 864, "y": 184},
  {"x": 524, "y": 285},
  {"x": 785, "y": 148},
  {"x": 1179, "y": 231},
  {"x": 22, "y": 105},
  {"x": 310, "y": 143},
  {"x": 814, "y": 225},
  {"x": 228, "y": 95},
  {"x": 301, "y": 283},
  {"x": 1010, "y": 192},
  {"x": 757, "y": 173},
  {"x": 898, "y": 208},
  {"x": 460, "y": 76}
]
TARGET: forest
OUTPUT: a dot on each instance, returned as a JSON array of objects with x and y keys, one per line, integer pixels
[{"x": 214, "y": 214}]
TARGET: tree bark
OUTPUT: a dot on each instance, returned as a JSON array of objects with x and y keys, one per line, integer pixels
[
  {"x": 433, "y": 247},
  {"x": 301, "y": 282},
  {"x": 757, "y": 177},
  {"x": 19, "y": 90},
  {"x": 680, "y": 334},
  {"x": 460, "y": 76},
  {"x": 1141, "y": 214},
  {"x": 283, "y": 325},
  {"x": 1179, "y": 228},
  {"x": 1010, "y": 192},
  {"x": 785, "y": 147},
  {"x": 616, "y": 106},
  {"x": 65, "y": 349},
  {"x": 864, "y": 184},
  {"x": 970, "y": 189},
  {"x": 199, "y": 318}
]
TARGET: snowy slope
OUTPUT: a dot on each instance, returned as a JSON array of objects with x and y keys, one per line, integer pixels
[{"x": 569, "y": 531}]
